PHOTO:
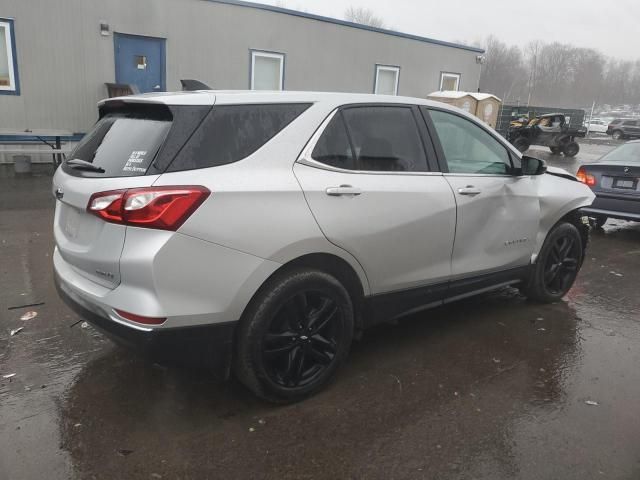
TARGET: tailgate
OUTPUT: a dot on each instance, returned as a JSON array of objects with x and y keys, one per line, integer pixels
[
  {"x": 115, "y": 155},
  {"x": 89, "y": 244}
]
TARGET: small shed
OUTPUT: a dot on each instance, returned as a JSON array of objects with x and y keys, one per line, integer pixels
[
  {"x": 463, "y": 100},
  {"x": 485, "y": 106},
  {"x": 488, "y": 108}
]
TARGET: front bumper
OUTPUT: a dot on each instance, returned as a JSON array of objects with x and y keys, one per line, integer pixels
[{"x": 205, "y": 346}]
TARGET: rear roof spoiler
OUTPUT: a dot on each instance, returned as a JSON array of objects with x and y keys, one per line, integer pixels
[
  {"x": 164, "y": 98},
  {"x": 193, "y": 85}
]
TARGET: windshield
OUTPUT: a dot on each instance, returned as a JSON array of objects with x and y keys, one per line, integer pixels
[
  {"x": 627, "y": 153},
  {"x": 122, "y": 146}
]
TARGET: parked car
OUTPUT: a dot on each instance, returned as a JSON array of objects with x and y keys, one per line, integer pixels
[
  {"x": 550, "y": 130},
  {"x": 624, "y": 128},
  {"x": 597, "y": 126},
  {"x": 615, "y": 181},
  {"x": 259, "y": 232}
]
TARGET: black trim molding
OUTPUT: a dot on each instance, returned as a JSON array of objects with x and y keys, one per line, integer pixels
[{"x": 388, "y": 306}]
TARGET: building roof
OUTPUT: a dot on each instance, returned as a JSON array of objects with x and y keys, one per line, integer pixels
[
  {"x": 456, "y": 94},
  {"x": 344, "y": 23}
]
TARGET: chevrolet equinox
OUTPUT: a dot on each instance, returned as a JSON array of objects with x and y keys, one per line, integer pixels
[{"x": 256, "y": 233}]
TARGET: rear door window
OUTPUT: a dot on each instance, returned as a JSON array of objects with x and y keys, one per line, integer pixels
[
  {"x": 233, "y": 132},
  {"x": 123, "y": 146},
  {"x": 385, "y": 138}
]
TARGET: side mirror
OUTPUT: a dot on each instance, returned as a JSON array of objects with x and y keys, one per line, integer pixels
[{"x": 532, "y": 166}]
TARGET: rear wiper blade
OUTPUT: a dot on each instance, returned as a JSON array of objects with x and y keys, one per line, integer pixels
[{"x": 79, "y": 164}]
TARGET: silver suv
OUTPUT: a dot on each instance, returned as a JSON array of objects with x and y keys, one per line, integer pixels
[{"x": 259, "y": 232}]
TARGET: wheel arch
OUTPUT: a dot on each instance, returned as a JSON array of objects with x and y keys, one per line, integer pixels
[
  {"x": 574, "y": 217},
  {"x": 329, "y": 263}
]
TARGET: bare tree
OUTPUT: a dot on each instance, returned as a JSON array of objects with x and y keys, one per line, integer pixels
[
  {"x": 363, "y": 16},
  {"x": 503, "y": 73},
  {"x": 556, "y": 74}
]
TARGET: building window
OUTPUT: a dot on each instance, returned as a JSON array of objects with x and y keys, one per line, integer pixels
[
  {"x": 8, "y": 72},
  {"x": 267, "y": 70},
  {"x": 386, "y": 82},
  {"x": 449, "y": 82}
]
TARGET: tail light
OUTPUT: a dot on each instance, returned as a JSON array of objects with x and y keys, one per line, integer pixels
[
  {"x": 585, "y": 177},
  {"x": 164, "y": 208}
]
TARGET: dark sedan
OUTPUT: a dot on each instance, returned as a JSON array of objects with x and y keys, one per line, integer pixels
[{"x": 615, "y": 181}]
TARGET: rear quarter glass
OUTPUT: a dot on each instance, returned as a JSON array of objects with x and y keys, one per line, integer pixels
[{"x": 230, "y": 133}]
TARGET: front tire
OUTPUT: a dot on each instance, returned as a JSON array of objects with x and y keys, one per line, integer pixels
[
  {"x": 521, "y": 144},
  {"x": 557, "y": 265},
  {"x": 294, "y": 335},
  {"x": 600, "y": 220},
  {"x": 571, "y": 149},
  {"x": 617, "y": 135},
  {"x": 555, "y": 150}
]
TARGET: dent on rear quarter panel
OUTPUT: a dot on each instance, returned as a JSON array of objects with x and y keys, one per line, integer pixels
[{"x": 557, "y": 197}]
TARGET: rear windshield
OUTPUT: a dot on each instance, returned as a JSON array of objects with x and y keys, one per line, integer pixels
[
  {"x": 233, "y": 132},
  {"x": 123, "y": 146}
]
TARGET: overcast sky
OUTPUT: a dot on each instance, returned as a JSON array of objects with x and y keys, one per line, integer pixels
[{"x": 608, "y": 26}]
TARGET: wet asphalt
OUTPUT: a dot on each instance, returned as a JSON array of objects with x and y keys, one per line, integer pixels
[{"x": 494, "y": 387}]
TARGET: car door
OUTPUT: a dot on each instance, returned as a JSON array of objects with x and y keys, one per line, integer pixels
[
  {"x": 498, "y": 212},
  {"x": 631, "y": 128},
  {"x": 369, "y": 184}
]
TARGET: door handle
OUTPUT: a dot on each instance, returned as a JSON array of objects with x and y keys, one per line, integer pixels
[
  {"x": 343, "y": 190},
  {"x": 469, "y": 190}
]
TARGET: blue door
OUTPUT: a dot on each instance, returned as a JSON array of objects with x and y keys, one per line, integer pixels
[{"x": 140, "y": 61}]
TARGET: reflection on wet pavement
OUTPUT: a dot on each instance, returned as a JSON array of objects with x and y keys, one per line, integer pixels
[{"x": 493, "y": 387}]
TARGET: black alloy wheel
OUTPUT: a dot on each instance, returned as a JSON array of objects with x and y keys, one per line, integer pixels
[
  {"x": 562, "y": 264},
  {"x": 294, "y": 335},
  {"x": 557, "y": 265},
  {"x": 302, "y": 340}
]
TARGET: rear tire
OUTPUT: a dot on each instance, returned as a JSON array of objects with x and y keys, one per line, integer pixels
[
  {"x": 522, "y": 144},
  {"x": 571, "y": 149},
  {"x": 600, "y": 220},
  {"x": 294, "y": 335},
  {"x": 557, "y": 265},
  {"x": 555, "y": 150}
]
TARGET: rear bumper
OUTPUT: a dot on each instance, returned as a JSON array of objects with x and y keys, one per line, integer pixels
[
  {"x": 206, "y": 346},
  {"x": 615, "y": 207},
  {"x": 612, "y": 214}
]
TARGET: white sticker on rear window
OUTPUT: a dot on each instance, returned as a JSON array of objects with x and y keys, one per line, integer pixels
[{"x": 135, "y": 159}]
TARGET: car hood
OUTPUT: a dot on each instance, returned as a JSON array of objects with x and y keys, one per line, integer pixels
[{"x": 560, "y": 172}]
